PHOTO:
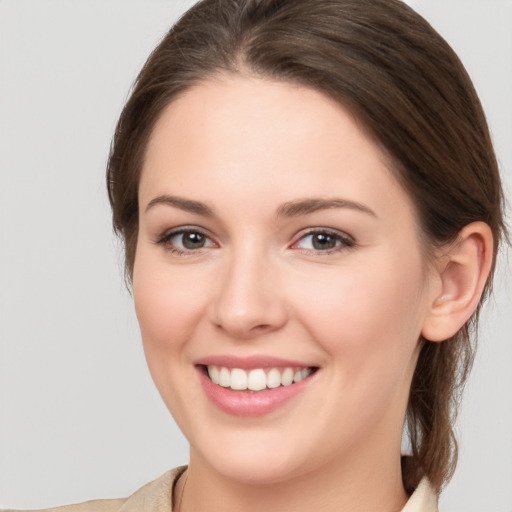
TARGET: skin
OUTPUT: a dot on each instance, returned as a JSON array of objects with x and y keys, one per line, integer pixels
[{"x": 244, "y": 147}]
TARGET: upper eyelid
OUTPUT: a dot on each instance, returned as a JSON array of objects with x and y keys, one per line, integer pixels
[
  {"x": 169, "y": 233},
  {"x": 166, "y": 234},
  {"x": 184, "y": 229},
  {"x": 330, "y": 231},
  {"x": 347, "y": 242}
]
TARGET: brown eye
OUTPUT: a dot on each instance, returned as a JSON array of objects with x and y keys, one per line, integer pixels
[
  {"x": 185, "y": 241},
  {"x": 192, "y": 240},
  {"x": 324, "y": 241}
]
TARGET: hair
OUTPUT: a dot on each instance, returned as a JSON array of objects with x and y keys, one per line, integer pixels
[{"x": 405, "y": 85}]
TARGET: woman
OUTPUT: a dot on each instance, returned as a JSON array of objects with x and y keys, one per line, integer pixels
[{"x": 310, "y": 207}]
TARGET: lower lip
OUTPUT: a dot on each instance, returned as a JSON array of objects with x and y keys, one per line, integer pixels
[{"x": 247, "y": 403}]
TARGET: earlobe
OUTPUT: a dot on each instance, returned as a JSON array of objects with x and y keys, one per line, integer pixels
[{"x": 463, "y": 271}]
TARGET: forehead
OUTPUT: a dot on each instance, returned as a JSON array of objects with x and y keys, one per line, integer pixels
[
  {"x": 249, "y": 111},
  {"x": 260, "y": 135}
]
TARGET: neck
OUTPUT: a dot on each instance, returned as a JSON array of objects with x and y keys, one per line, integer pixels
[{"x": 352, "y": 486}]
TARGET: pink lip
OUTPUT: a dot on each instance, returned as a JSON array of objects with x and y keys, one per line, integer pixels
[
  {"x": 249, "y": 363},
  {"x": 249, "y": 403}
]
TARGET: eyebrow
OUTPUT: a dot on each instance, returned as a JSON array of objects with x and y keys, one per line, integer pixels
[
  {"x": 183, "y": 204},
  {"x": 307, "y": 206},
  {"x": 294, "y": 208}
]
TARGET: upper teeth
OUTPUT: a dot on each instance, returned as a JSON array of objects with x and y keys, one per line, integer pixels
[{"x": 257, "y": 379}]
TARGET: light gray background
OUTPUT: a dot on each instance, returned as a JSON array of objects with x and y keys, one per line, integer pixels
[{"x": 79, "y": 417}]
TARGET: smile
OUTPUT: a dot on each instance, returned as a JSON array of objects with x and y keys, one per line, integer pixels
[
  {"x": 256, "y": 379},
  {"x": 253, "y": 386}
]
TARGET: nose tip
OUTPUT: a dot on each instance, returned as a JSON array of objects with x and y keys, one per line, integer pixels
[
  {"x": 245, "y": 324},
  {"x": 249, "y": 303}
]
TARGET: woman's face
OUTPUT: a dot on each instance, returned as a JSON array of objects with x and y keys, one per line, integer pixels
[{"x": 275, "y": 243}]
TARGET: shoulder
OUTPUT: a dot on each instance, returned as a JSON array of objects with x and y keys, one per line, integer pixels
[
  {"x": 88, "y": 506},
  {"x": 156, "y": 496},
  {"x": 423, "y": 499}
]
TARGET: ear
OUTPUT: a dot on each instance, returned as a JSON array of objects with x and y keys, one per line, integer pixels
[{"x": 462, "y": 271}]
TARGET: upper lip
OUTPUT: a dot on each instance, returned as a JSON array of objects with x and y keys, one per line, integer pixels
[{"x": 250, "y": 362}]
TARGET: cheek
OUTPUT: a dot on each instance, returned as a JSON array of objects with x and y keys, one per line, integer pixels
[
  {"x": 366, "y": 315},
  {"x": 167, "y": 304},
  {"x": 368, "y": 323},
  {"x": 168, "y": 309}
]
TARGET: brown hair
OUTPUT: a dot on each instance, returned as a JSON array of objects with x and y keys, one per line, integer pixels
[{"x": 405, "y": 85}]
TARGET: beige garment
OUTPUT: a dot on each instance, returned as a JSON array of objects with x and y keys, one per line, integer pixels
[{"x": 157, "y": 497}]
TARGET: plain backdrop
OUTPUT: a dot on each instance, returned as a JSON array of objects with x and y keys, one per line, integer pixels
[{"x": 79, "y": 416}]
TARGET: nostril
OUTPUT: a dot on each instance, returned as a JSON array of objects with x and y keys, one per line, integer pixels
[{"x": 245, "y": 330}]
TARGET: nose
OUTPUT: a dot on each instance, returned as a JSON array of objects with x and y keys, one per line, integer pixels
[{"x": 249, "y": 301}]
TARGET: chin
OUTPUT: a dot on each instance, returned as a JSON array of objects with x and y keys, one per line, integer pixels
[{"x": 255, "y": 459}]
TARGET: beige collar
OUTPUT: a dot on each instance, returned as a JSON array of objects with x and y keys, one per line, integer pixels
[
  {"x": 423, "y": 499},
  {"x": 157, "y": 496}
]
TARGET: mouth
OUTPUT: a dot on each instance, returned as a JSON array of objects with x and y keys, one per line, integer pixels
[
  {"x": 256, "y": 379},
  {"x": 253, "y": 386}
]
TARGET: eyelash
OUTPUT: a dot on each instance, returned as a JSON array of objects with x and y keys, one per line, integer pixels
[
  {"x": 165, "y": 241},
  {"x": 342, "y": 241}
]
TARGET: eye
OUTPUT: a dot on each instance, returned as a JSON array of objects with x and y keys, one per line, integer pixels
[
  {"x": 323, "y": 240},
  {"x": 185, "y": 240}
]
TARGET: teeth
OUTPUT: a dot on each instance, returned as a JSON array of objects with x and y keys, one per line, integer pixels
[
  {"x": 273, "y": 378},
  {"x": 225, "y": 378},
  {"x": 238, "y": 379},
  {"x": 287, "y": 377},
  {"x": 257, "y": 379},
  {"x": 213, "y": 371}
]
